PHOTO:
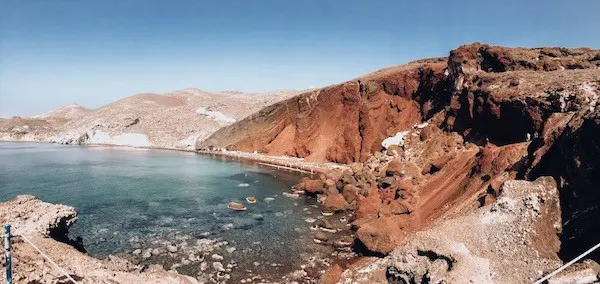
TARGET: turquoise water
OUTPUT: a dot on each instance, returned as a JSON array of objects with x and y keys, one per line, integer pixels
[{"x": 122, "y": 194}]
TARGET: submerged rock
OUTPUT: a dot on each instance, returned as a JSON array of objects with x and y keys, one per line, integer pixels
[
  {"x": 291, "y": 195},
  {"x": 320, "y": 237},
  {"x": 218, "y": 266},
  {"x": 236, "y": 206},
  {"x": 172, "y": 248},
  {"x": 147, "y": 253}
]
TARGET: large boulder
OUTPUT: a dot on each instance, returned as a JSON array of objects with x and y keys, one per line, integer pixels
[
  {"x": 368, "y": 206},
  {"x": 395, "y": 207},
  {"x": 313, "y": 186},
  {"x": 350, "y": 192},
  {"x": 332, "y": 275},
  {"x": 383, "y": 234},
  {"x": 335, "y": 203}
]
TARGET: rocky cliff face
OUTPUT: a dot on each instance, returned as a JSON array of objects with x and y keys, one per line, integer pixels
[
  {"x": 462, "y": 126},
  {"x": 479, "y": 90},
  {"x": 343, "y": 123}
]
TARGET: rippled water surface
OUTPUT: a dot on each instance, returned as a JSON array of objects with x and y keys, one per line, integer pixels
[{"x": 123, "y": 194}]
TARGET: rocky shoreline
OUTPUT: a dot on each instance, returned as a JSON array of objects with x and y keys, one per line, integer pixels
[
  {"x": 154, "y": 260},
  {"x": 43, "y": 223},
  {"x": 437, "y": 171}
]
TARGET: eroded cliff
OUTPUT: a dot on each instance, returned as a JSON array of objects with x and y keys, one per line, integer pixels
[{"x": 463, "y": 125}]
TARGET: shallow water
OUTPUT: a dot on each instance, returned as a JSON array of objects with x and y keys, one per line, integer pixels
[{"x": 128, "y": 194}]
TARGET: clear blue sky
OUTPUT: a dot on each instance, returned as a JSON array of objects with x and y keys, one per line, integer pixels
[{"x": 56, "y": 52}]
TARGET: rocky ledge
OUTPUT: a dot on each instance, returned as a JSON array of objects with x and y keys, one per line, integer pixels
[
  {"x": 513, "y": 240},
  {"x": 45, "y": 224}
]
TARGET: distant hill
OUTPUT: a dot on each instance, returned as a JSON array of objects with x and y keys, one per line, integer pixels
[{"x": 172, "y": 120}]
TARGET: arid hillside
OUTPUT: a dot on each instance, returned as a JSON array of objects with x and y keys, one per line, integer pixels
[{"x": 174, "y": 120}]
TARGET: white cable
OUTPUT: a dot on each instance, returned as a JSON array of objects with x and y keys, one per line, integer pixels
[
  {"x": 567, "y": 264},
  {"x": 48, "y": 258}
]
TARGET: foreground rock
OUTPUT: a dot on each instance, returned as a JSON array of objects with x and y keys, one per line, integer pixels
[
  {"x": 43, "y": 223},
  {"x": 514, "y": 240}
]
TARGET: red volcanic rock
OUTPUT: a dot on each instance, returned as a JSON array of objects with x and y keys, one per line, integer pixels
[
  {"x": 394, "y": 207},
  {"x": 335, "y": 203},
  {"x": 437, "y": 164},
  {"x": 489, "y": 105},
  {"x": 442, "y": 161},
  {"x": 348, "y": 178},
  {"x": 395, "y": 168},
  {"x": 573, "y": 156},
  {"x": 368, "y": 206},
  {"x": 350, "y": 192},
  {"x": 329, "y": 183},
  {"x": 496, "y": 182},
  {"x": 384, "y": 234},
  {"x": 404, "y": 184},
  {"x": 492, "y": 114},
  {"x": 356, "y": 167},
  {"x": 313, "y": 186},
  {"x": 387, "y": 194},
  {"x": 394, "y": 150},
  {"x": 342, "y": 123},
  {"x": 332, "y": 275},
  {"x": 387, "y": 182}
]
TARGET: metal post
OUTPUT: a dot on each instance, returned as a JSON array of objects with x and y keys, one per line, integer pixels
[{"x": 7, "y": 253}]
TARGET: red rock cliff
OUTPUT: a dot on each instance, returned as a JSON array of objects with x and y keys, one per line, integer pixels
[{"x": 494, "y": 113}]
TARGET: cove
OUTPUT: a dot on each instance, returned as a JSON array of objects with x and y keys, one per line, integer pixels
[{"x": 139, "y": 199}]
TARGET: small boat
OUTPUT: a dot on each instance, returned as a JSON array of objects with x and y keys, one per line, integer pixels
[
  {"x": 236, "y": 206},
  {"x": 269, "y": 199},
  {"x": 299, "y": 192},
  {"x": 251, "y": 199},
  {"x": 326, "y": 213},
  {"x": 243, "y": 185},
  {"x": 291, "y": 195}
]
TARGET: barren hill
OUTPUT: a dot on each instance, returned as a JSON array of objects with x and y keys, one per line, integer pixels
[
  {"x": 172, "y": 120},
  {"x": 67, "y": 112}
]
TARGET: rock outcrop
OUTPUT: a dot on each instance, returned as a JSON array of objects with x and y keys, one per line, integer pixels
[
  {"x": 569, "y": 150},
  {"x": 513, "y": 240},
  {"x": 42, "y": 223}
]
